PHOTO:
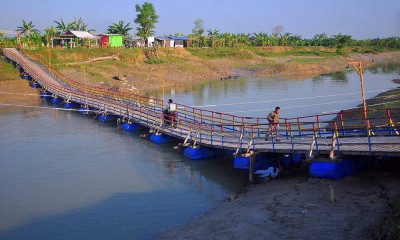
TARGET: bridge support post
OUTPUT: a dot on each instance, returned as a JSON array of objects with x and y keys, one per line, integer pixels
[{"x": 251, "y": 166}]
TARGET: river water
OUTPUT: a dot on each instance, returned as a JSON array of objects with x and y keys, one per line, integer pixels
[{"x": 68, "y": 176}]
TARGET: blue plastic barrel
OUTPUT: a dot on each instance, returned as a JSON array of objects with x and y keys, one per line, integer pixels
[
  {"x": 262, "y": 162},
  {"x": 57, "y": 100},
  {"x": 159, "y": 139},
  {"x": 198, "y": 153},
  {"x": 287, "y": 159},
  {"x": 45, "y": 95},
  {"x": 35, "y": 85},
  {"x": 26, "y": 77},
  {"x": 71, "y": 105},
  {"x": 350, "y": 167},
  {"x": 296, "y": 157},
  {"x": 328, "y": 170},
  {"x": 85, "y": 111},
  {"x": 130, "y": 127},
  {"x": 107, "y": 118}
]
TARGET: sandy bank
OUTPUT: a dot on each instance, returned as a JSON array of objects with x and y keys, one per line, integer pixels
[
  {"x": 183, "y": 68},
  {"x": 299, "y": 208},
  {"x": 17, "y": 91}
]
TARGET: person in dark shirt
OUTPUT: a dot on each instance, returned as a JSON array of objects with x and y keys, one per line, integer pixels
[{"x": 273, "y": 120}]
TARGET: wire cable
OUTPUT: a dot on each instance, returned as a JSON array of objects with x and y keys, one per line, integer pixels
[
  {"x": 290, "y": 99},
  {"x": 320, "y": 104},
  {"x": 47, "y": 108}
]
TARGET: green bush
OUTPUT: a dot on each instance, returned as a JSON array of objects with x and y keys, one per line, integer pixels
[{"x": 154, "y": 61}]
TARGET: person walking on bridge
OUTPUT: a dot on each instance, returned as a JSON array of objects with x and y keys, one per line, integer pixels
[
  {"x": 170, "y": 113},
  {"x": 273, "y": 120}
]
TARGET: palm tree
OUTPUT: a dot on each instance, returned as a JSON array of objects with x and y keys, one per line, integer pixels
[
  {"x": 50, "y": 33},
  {"x": 27, "y": 29},
  {"x": 85, "y": 28},
  {"x": 78, "y": 24},
  {"x": 119, "y": 28},
  {"x": 64, "y": 27}
]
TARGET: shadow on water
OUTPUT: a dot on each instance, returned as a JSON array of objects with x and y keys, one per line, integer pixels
[{"x": 116, "y": 218}]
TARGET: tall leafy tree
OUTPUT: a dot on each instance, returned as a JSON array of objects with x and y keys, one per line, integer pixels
[
  {"x": 320, "y": 39},
  {"x": 342, "y": 40},
  {"x": 146, "y": 18},
  {"x": 119, "y": 28},
  {"x": 27, "y": 29},
  {"x": 198, "y": 29}
]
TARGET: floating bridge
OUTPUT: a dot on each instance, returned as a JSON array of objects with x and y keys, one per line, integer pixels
[{"x": 339, "y": 134}]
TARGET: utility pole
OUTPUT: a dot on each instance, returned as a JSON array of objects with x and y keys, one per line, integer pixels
[{"x": 358, "y": 66}]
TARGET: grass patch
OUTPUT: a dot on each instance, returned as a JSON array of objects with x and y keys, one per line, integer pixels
[
  {"x": 7, "y": 71},
  {"x": 154, "y": 61},
  {"x": 308, "y": 60},
  {"x": 60, "y": 57},
  {"x": 312, "y": 53},
  {"x": 223, "y": 52}
]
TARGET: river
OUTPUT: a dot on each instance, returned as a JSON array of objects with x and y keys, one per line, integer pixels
[{"x": 68, "y": 176}]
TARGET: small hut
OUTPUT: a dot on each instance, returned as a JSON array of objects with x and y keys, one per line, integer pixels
[
  {"x": 179, "y": 41},
  {"x": 73, "y": 39},
  {"x": 111, "y": 40},
  {"x": 165, "y": 42}
]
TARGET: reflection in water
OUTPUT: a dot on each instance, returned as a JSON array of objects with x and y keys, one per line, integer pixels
[
  {"x": 334, "y": 76},
  {"x": 385, "y": 68}
]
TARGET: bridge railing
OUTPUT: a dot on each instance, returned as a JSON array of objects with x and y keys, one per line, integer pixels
[{"x": 212, "y": 128}]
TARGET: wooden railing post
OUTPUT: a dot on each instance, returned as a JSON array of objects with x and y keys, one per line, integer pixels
[{"x": 335, "y": 142}]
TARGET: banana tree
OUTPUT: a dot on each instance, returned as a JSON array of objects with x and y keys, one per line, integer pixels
[
  {"x": 63, "y": 27},
  {"x": 119, "y": 28},
  {"x": 27, "y": 29},
  {"x": 213, "y": 35},
  {"x": 50, "y": 33}
]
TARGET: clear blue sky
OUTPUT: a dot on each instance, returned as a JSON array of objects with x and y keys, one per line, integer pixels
[{"x": 359, "y": 18}]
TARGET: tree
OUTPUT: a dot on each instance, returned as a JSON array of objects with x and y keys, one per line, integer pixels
[
  {"x": 77, "y": 25},
  {"x": 27, "y": 29},
  {"x": 119, "y": 28},
  {"x": 50, "y": 32},
  {"x": 342, "y": 40},
  {"x": 277, "y": 30},
  {"x": 146, "y": 18},
  {"x": 85, "y": 28},
  {"x": 213, "y": 35},
  {"x": 320, "y": 40},
  {"x": 64, "y": 27},
  {"x": 198, "y": 29}
]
